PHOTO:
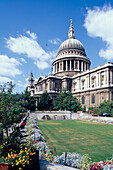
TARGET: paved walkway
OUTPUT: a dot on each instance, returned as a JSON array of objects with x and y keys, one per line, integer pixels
[{"x": 45, "y": 165}]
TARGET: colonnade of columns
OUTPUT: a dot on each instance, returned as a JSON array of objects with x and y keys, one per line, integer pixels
[{"x": 70, "y": 65}]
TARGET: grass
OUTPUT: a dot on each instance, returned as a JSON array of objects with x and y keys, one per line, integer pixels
[{"x": 95, "y": 139}]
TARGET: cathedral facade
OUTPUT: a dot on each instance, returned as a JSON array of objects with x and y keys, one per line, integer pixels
[{"x": 71, "y": 71}]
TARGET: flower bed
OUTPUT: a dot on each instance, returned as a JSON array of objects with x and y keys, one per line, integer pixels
[
  {"x": 25, "y": 157},
  {"x": 100, "y": 120},
  {"x": 75, "y": 160},
  {"x": 21, "y": 164}
]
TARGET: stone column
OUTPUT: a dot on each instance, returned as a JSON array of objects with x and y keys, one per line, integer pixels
[
  {"x": 65, "y": 84},
  {"x": 84, "y": 66},
  {"x": 111, "y": 77},
  {"x": 104, "y": 82},
  {"x": 66, "y": 65},
  {"x": 52, "y": 85},
  {"x": 78, "y": 64},
  {"x": 62, "y": 66},
  {"x": 107, "y": 77},
  {"x": 70, "y": 65},
  {"x": 59, "y": 66},
  {"x": 96, "y": 80},
  {"x": 81, "y": 65},
  {"x": 48, "y": 85},
  {"x": 56, "y": 68},
  {"x": 74, "y": 65}
]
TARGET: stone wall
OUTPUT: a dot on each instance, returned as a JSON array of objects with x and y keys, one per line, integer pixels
[{"x": 52, "y": 116}]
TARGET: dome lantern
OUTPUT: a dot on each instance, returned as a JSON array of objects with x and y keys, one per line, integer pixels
[{"x": 71, "y": 32}]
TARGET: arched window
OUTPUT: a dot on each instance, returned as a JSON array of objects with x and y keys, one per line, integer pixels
[
  {"x": 83, "y": 102},
  {"x": 93, "y": 99}
]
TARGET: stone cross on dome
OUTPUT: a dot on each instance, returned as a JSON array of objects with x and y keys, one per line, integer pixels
[{"x": 71, "y": 32}]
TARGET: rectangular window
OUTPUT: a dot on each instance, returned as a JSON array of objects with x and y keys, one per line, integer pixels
[
  {"x": 83, "y": 100},
  {"x": 93, "y": 99}
]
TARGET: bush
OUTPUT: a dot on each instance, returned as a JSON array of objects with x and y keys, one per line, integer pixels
[
  {"x": 86, "y": 163},
  {"x": 66, "y": 101}
]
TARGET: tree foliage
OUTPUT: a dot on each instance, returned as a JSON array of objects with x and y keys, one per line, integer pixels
[
  {"x": 11, "y": 110},
  {"x": 31, "y": 101},
  {"x": 45, "y": 102},
  {"x": 66, "y": 101},
  {"x": 105, "y": 107}
]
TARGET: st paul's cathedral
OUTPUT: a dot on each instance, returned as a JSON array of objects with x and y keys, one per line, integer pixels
[{"x": 71, "y": 71}]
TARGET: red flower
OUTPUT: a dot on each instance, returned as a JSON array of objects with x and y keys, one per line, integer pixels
[{"x": 24, "y": 123}]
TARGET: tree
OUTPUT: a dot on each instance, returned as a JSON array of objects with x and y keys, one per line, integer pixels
[
  {"x": 31, "y": 101},
  {"x": 45, "y": 102},
  {"x": 105, "y": 107},
  {"x": 66, "y": 101}
]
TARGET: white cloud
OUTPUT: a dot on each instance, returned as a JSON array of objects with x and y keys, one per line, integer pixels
[
  {"x": 27, "y": 79},
  {"x": 5, "y": 79},
  {"x": 23, "y": 60},
  {"x": 53, "y": 54},
  {"x": 19, "y": 81},
  {"x": 41, "y": 64},
  {"x": 99, "y": 23},
  {"x": 55, "y": 41},
  {"x": 32, "y": 35},
  {"x": 21, "y": 84},
  {"x": 31, "y": 48},
  {"x": 8, "y": 66}
]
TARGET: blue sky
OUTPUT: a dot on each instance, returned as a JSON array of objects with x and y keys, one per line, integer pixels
[{"x": 31, "y": 32}]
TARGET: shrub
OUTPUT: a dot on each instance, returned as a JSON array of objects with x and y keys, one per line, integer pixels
[{"x": 86, "y": 163}]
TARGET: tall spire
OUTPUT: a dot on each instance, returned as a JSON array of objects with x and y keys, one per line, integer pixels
[
  {"x": 31, "y": 78},
  {"x": 71, "y": 31}
]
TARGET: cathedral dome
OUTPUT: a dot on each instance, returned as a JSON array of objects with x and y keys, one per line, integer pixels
[
  {"x": 71, "y": 43},
  {"x": 71, "y": 58}
]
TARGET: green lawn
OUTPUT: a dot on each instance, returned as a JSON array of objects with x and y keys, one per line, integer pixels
[{"x": 95, "y": 139}]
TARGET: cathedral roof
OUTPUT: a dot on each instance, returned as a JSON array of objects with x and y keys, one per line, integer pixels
[{"x": 71, "y": 44}]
